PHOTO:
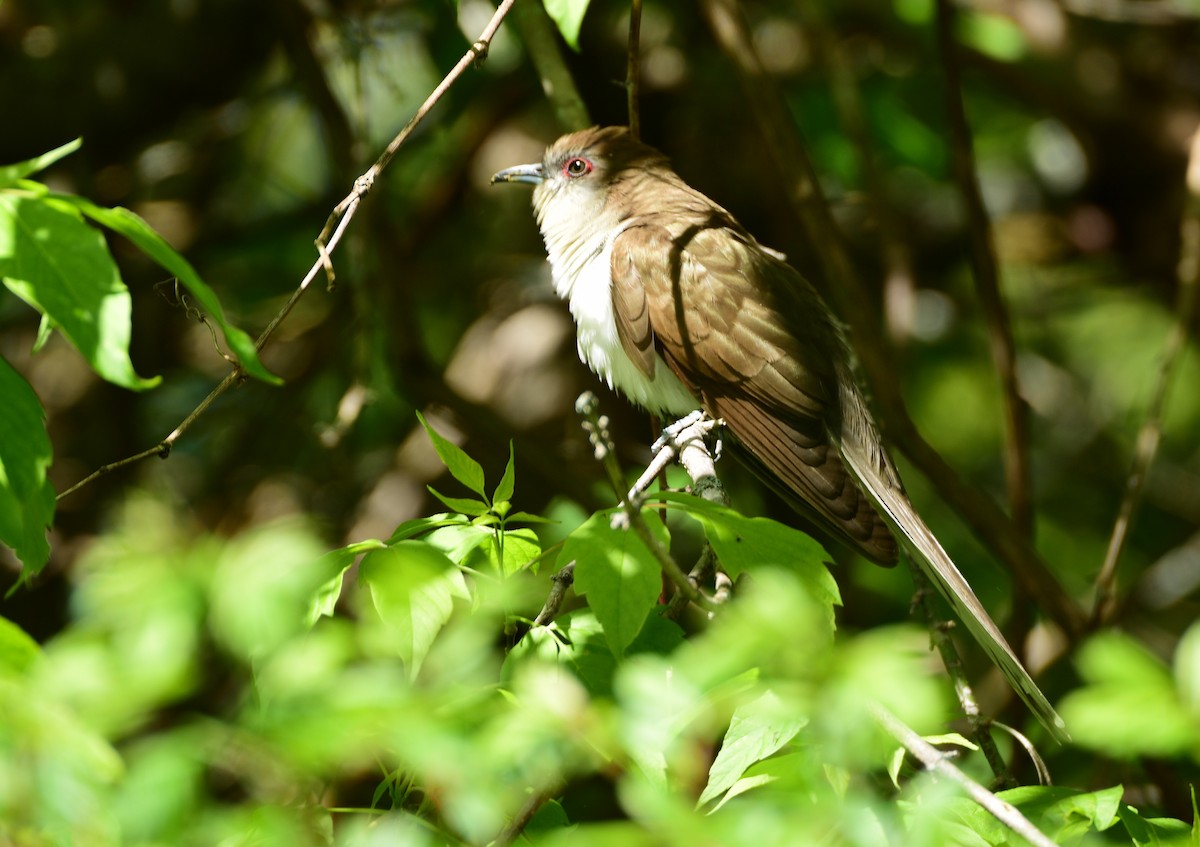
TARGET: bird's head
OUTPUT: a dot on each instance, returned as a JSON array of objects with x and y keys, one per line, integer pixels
[{"x": 577, "y": 183}]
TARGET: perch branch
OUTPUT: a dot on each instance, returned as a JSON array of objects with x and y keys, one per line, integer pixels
[{"x": 588, "y": 407}]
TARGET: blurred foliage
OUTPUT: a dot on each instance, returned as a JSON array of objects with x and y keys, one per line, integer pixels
[{"x": 279, "y": 629}]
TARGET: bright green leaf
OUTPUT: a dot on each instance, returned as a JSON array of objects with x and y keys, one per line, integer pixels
[
  {"x": 1187, "y": 670},
  {"x": 1129, "y": 706},
  {"x": 26, "y": 496},
  {"x": 461, "y": 466},
  {"x": 568, "y": 16},
  {"x": 465, "y": 505},
  {"x": 418, "y": 526},
  {"x": 11, "y": 173},
  {"x": 336, "y": 563},
  {"x": 618, "y": 574},
  {"x": 743, "y": 544},
  {"x": 61, "y": 266},
  {"x": 18, "y": 651},
  {"x": 413, "y": 586},
  {"x": 758, "y": 729},
  {"x": 506, "y": 486},
  {"x": 128, "y": 224}
]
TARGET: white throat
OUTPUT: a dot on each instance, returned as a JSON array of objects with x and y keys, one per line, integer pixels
[{"x": 581, "y": 264}]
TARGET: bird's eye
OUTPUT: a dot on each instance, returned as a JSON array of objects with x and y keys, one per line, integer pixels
[{"x": 577, "y": 166}]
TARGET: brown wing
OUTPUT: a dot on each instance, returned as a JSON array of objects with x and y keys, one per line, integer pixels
[{"x": 730, "y": 321}]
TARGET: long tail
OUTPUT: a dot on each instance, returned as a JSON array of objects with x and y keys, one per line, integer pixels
[{"x": 863, "y": 453}]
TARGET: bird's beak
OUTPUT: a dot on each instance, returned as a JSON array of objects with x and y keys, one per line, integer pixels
[{"x": 521, "y": 173}]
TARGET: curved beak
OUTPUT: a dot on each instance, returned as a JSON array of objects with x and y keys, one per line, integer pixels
[{"x": 521, "y": 173}]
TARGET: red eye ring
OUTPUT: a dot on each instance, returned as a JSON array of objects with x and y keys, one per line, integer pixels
[{"x": 577, "y": 166}]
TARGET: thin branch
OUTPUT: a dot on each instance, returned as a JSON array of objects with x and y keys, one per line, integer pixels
[
  {"x": 987, "y": 284},
  {"x": 562, "y": 581},
  {"x": 633, "y": 69},
  {"x": 939, "y": 633},
  {"x": 327, "y": 241},
  {"x": 1188, "y": 275},
  {"x": 842, "y": 286},
  {"x": 588, "y": 407},
  {"x": 524, "y": 815},
  {"x": 940, "y": 766}
]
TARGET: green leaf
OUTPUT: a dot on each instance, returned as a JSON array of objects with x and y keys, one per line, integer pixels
[
  {"x": 743, "y": 543},
  {"x": 1130, "y": 706},
  {"x": 413, "y": 586},
  {"x": 758, "y": 730},
  {"x": 506, "y": 486},
  {"x": 134, "y": 228},
  {"x": 465, "y": 505},
  {"x": 61, "y": 266},
  {"x": 337, "y": 562},
  {"x": 11, "y": 173},
  {"x": 521, "y": 546},
  {"x": 461, "y": 466},
  {"x": 18, "y": 651},
  {"x": 1187, "y": 670},
  {"x": 26, "y": 496},
  {"x": 568, "y": 17},
  {"x": 617, "y": 573},
  {"x": 418, "y": 526}
]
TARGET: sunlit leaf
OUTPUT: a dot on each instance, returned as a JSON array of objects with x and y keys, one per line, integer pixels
[
  {"x": 413, "y": 586},
  {"x": 131, "y": 226},
  {"x": 758, "y": 729},
  {"x": 61, "y": 266},
  {"x": 26, "y": 496},
  {"x": 18, "y": 651},
  {"x": 11, "y": 173},
  {"x": 568, "y": 16},
  {"x": 506, "y": 486},
  {"x": 461, "y": 466},
  {"x": 618, "y": 574},
  {"x": 743, "y": 544}
]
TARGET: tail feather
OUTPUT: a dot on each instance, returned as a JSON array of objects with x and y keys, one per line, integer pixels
[{"x": 878, "y": 478}]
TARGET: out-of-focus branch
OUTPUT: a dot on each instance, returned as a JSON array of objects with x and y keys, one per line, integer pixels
[
  {"x": 542, "y": 42},
  {"x": 842, "y": 285},
  {"x": 987, "y": 284},
  {"x": 1188, "y": 275},
  {"x": 940, "y": 766},
  {"x": 633, "y": 68},
  {"x": 331, "y": 235},
  {"x": 899, "y": 285}
]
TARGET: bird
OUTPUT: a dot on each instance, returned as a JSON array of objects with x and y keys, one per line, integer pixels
[{"x": 678, "y": 307}]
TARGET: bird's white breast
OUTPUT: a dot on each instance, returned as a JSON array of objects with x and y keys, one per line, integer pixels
[{"x": 582, "y": 270}]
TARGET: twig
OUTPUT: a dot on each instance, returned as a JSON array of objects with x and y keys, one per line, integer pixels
[
  {"x": 1188, "y": 275},
  {"x": 588, "y": 407},
  {"x": 938, "y": 632},
  {"x": 939, "y": 765},
  {"x": 327, "y": 241},
  {"x": 987, "y": 286},
  {"x": 525, "y": 814},
  {"x": 562, "y": 581},
  {"x": 633, "y": 69},
  {"x": 842, "y": 286}
]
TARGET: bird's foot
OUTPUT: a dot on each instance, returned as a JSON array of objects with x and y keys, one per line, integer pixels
[{"x": 686, "y": 440}]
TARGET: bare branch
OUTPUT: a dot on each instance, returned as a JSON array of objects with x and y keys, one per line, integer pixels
[
  {"x": 939, "y": 765},
  {"x": 987, "y": 284},
  {"x": 327, "y": 241},
  {"x": 633, "y": 69}
]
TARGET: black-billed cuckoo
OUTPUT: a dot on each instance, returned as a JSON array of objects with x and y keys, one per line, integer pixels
[{"x": 678, "y": 307}]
